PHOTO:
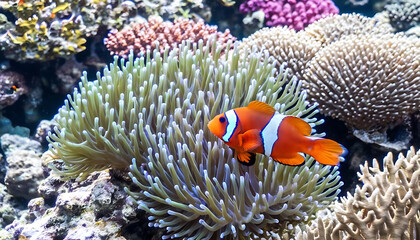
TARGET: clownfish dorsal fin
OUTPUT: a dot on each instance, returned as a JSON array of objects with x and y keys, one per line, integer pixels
[{"x": 261, "y": 107}]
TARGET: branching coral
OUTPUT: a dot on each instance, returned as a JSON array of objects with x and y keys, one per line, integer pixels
[
  {"x": 291, "y": 13},
  {"x": 386, "y": 206},
  {"x": 140, "y": 37},
  {"x": 368, "y": 81},
  {"x": 156, "y": 109},
  {"x": 47, "y": 29}
]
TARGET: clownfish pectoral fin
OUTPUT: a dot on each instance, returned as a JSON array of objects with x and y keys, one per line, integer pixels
[
  {"x": 245, "y": 158},
  {"x": 294, "y": 161},
  {"x": 261, "y": 107},
  {"x": 326, "y": 151},
  {"x": 300, "y": 125},
  {"x": 250, "y": 140}
]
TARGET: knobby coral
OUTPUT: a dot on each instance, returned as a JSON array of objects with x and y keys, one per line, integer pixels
[
  {"x": 366, "y": 77},
  {"x": 298, "y": 48},
  {"x": 336, "y": 27},
  {"x": 291, "y": 13},
  {"x": 140, "y": 37},
  {"x": 153, "y": 111},
  {"x": 285, "y": 46},
  {"x": 403, "y": 14},
  {"x": 386, "y": 206},
  {"x": 354, "y": 68}
]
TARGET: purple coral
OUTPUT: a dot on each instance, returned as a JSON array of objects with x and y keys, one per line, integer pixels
[{"x": 296, "y": 14}]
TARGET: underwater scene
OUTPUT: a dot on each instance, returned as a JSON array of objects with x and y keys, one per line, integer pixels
[{"x": 209, "y": 119}]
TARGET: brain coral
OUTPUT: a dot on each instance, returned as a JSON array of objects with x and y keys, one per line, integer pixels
[
  {"x": 153, "y": 112},
  {"x": 291, "y": 13},
  {"x": 142, "y": 36},
  {"x": 368, "y": 81},
  {"x": 385, "y": 207}
]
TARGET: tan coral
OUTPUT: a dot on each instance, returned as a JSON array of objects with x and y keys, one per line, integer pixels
[
  {"x": 335, "y": 27},
  {"x": 368, "y": 81},
  {"x": 285, "y": 45},
  {"x": 385, "y": 207}
]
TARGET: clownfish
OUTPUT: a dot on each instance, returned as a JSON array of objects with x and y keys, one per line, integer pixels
[{"x": 258, "y": 128}]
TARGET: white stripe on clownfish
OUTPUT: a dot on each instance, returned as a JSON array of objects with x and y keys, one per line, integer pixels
[
  {"x": 232, "y": 123},
  {"x": 269, "y": 133}
]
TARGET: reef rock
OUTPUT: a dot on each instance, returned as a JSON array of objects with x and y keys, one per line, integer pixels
[
  {"x": 24, "y": 166},
  {"x": 97, "y": 208}
]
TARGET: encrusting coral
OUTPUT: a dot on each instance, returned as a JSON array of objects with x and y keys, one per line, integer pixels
[
  {"x": 386, "y": 206},
  {"x": 47, "y": 29},
  {"x": 139, "y": 37},
  {"x": 153, "y": 112}
]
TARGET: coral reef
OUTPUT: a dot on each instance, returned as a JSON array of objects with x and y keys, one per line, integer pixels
[
  {"x": 141, "y": 37},
  {"x": 355, "y": 69},
  {"x": 403, "y": 14},
  {"x": 298, "y": 48},
  {"x": 336, "y": 27},
  {"x": 12, "y": 86},
  {"x": 47, "y": 29},
  {"x": 8, "y": 210},
  {"x": 171, "y": 9},
  {"x": 366, "y": 77},
  {"x": 42, "y": 130},
  {"x": 386, "y": 206},
  {"x": 155, "y": 110},
  {"x": 24, "y": 170},
  {"x": 291, "y": 13},
  {"x": 68, "y": 75},
  {"x": 96, "y": 208},
  {"x": 285, "y": 46}
]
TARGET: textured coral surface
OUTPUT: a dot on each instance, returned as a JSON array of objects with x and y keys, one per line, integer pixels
[
  {"x": 140, "y": 37},
  {"x": 292, "y": 13},
  {"x": 386, "y": 206}
]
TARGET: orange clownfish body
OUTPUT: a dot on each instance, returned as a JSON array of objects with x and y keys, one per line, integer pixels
[{"x": 258, "y": 128}]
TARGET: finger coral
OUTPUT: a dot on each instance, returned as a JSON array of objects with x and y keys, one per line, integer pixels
[
  {"x": 386, "y": 206},
  {"x": 291, "y": 13},
  {"x": 141, "y": 37},
  {"x": 368, "y": 81},
  {"x": 153, "y": 112}
]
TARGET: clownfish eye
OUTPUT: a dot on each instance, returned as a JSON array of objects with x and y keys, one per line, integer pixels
[{"x": 222, "y": 119}]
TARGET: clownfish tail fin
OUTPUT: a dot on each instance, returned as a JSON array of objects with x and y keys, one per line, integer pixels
[{"x": 326, "y": 151}]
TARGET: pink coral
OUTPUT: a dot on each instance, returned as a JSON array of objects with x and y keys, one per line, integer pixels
[
  {"x": 140, "y": 37},
  {"x": 296, "y": 14}
]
